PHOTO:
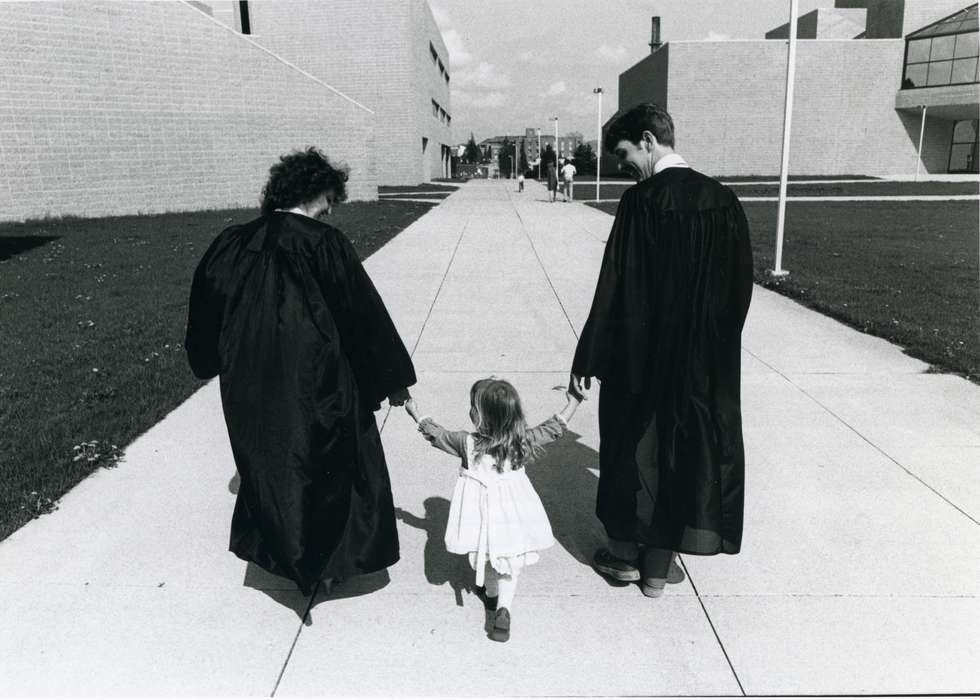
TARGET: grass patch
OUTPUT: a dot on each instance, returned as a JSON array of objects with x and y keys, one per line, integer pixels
[
  {"x": 92, "y": 323},
  {"x": 902, "y": 271},
  {"x": 423, "y": 187},
  {"x": 395, "y": 196},
  {"x": 585, "y": 190}
]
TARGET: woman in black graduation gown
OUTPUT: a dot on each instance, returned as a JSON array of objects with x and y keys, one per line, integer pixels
[{"x": 283, "y": 311}]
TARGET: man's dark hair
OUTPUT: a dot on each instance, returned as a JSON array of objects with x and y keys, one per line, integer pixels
[
  {"x": 301, "y": 177},
  {"x": 631, "y": 125}
]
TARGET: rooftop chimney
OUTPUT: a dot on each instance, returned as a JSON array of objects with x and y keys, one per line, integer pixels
[{"x": 655, "y": 42}]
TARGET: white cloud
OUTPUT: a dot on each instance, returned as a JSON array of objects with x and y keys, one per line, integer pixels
[
  {"x": 611, "y": 54},
  {"x": 717, "y": 36},
  {"x": 582, "y": 106},
  {"x": 557, "y": 88},
  {"x": 485, "y": 75},
  {"x": 458, "y": 55},
  {"x": 491, "y": 99}
]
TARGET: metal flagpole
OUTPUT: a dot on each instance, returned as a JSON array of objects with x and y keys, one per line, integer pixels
[
  {"x": 778, "y": 270},
  {"x": 598, "y": 143},
  {"x": 922, "y": 133}
]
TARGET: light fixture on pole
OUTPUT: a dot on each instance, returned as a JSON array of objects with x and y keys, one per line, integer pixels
[
  {"x": 778, "y": 270},
  {"x": 598, "y": 143}
]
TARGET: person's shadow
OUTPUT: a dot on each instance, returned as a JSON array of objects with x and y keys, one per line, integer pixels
[
  {"x": 567, "y": 489},
  {"x": 441, "y": 567}
]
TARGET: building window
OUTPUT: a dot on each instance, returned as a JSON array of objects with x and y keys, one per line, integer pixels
[
  {"x": 243, "y": 17},
  {"x": 944, "y": 53},
  {"x": 963, "y": 151}
]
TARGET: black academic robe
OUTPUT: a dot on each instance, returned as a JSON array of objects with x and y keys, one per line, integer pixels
[
  {"x": 282, "y": 309},
  {"x": 664, "y": 338}
]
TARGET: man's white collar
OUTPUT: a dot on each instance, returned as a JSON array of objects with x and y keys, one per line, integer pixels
[{"x": 671, "y": 160}]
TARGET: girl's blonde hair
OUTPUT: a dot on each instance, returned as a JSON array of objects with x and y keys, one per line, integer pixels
[{"x": 501, "y": 430}]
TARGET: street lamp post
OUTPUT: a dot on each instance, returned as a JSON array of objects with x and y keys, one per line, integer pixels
[
  {"x": 539, "y": 153},
  {"x": 598, "y": 143},
  {"x": 555, "y": 120}
]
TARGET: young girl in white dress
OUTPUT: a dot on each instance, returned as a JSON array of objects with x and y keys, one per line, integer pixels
[{"x": 495, "y": 516}]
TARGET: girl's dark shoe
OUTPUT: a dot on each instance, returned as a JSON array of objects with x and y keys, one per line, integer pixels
[
  {"x": 613, "y": 567},
  {"x": 501, "y": 626}
]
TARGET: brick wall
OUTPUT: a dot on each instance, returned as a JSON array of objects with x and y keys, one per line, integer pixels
[
  {"x": 726, "y": 99},
  {"x": 116, "y": 108},
  {"x": 377, "y": 52}
]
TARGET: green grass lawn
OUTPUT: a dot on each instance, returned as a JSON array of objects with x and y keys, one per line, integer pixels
[
  {"x": 903, "y": 271},
  {"x": 422, "y": 187},
  {"x": 92, "y": 318},
  {"x": 585, "y": 189}
]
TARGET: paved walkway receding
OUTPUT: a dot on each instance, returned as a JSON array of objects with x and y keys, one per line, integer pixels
[{"x": 859, "y": 573}]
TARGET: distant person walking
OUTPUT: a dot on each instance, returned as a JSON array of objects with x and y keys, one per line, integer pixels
[
  {"x": 520, "y": 182},
  {"x": 568, "y": 173},
  {"x": 664, "y": 336},
  {"x": 553, "y": 181},
  {"x": 283, "y": 311}
]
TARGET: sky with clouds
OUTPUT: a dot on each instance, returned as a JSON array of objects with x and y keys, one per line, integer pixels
[{"x": 518, "y": 63}]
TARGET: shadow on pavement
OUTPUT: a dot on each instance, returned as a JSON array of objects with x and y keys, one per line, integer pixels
[
  {"x": 441, "y": 567},
  {"x": 281, "y": 590},
  {"x": 567, "y": 489}
]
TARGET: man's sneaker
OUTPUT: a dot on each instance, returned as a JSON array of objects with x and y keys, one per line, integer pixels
[
  {"x": 613, "y": 567},
  {"x": 501, "y": 626}
]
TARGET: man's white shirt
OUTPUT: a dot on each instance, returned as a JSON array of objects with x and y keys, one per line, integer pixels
[
  {"x": 568, "y": 172},
  {"x": 671, "y": 160}
]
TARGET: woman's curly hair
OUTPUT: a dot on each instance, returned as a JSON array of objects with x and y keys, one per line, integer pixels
[{"x": 301, "y": 177}]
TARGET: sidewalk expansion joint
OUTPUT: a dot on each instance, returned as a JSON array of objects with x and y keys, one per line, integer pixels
[
  {"x": 711, "y": 624},
  {"x": 289, "y": 655},
  {"x": 541, "y": 264},
  {"x": 863, "y": 437},
  {"x": 432, "y": 306}
]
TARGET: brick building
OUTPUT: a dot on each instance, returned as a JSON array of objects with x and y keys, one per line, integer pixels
[
  {"x": 387, "y": 54},
  {"x": 122, "y": 107},
  {"x": 529, "y": 142},
  {"x": 859, "y": 102}
]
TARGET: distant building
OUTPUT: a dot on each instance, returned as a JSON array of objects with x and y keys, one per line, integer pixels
[
  {"x": 868, "y": 74},
  {"x": 529, "y": 142}
]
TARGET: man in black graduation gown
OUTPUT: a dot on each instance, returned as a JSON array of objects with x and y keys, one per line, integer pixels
[
  {"x": 664, "y": 338},
  {"x": 282, "y": 309}
]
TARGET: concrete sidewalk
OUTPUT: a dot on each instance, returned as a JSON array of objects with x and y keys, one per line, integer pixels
[{"x": 860, "y": 569}]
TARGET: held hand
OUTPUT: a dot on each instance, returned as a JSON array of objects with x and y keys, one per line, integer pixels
[
  {"x": 399, "y": 397},
  {"x": 577, "y": 386}
]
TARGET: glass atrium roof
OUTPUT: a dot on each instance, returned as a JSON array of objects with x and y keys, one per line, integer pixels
[{"x": 963, "y": 21}]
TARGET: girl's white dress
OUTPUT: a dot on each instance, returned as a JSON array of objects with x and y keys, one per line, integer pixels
[{"x": 494, "y": 516}]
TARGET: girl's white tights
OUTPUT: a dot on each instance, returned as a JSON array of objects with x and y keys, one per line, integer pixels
[{"x": 501, "y": 587}]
